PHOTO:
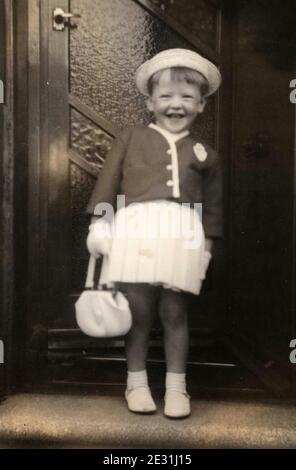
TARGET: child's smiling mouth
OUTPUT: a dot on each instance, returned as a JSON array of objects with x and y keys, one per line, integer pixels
[{"x": 175, "y": 115}]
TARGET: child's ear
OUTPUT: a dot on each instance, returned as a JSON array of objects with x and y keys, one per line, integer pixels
[
  {"x": 202, "y": 105},
  {"x": 149, "y": 104}
]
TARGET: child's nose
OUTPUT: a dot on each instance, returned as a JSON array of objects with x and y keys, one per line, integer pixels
[{"x": 176, "y": 102}]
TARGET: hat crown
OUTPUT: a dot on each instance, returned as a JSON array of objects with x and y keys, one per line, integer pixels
[{"x": 178, "y": 58}]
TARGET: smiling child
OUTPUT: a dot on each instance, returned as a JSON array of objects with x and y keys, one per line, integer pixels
[{"x": 161, "y": 245}]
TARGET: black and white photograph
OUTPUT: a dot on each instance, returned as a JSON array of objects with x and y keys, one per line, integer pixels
[{"x": 148, "y": 227}]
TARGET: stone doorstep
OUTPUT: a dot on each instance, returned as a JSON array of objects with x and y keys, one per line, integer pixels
[{"x": 89, "y": 421}]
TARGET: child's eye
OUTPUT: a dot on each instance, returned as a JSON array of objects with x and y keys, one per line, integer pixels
[
  {"x": 165, "y": 96},
  {"x": 188, "y": 96}
]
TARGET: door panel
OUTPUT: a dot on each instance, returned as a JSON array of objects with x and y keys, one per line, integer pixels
[{"x": 263, "y": 185}]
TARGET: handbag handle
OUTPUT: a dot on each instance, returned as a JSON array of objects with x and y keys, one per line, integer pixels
[{"x": 89, "y": 283}]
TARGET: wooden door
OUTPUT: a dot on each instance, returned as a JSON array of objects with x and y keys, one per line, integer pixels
[{"x": 87, "y": 95}]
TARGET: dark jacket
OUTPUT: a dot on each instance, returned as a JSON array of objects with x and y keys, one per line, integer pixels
[{"x": 139, "y": 166}]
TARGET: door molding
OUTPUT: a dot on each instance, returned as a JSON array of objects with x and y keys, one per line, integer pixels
[
  {"x": 7, "y": 183},
  {"x": 45, "y": 131},
  {"x": 36, "y": 350}
]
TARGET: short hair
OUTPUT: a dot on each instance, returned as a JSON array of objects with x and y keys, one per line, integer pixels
[{"x": 179, "y": 74}]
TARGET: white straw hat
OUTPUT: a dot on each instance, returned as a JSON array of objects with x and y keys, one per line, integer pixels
[{"x": 178, "y": 58}]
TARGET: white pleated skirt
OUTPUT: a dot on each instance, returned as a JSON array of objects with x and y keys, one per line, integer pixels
[{"x": 156, "y": 242}]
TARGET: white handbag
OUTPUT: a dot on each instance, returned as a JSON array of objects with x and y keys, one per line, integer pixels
[{"x": 102, "y": 313}]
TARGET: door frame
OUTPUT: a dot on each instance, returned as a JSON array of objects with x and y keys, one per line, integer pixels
[
  {"x": 7, "y": 199},
  {"x": 22, "y": 322},
  {"x": 13, "y": 152}
]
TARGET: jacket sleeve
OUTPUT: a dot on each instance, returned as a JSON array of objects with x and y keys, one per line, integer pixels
[
  {"x": 212, "y": 199},
  {"x": 108, "y": 183}
]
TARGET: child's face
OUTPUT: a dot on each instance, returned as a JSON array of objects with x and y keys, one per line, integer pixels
[{"x": 175, "y": 104}]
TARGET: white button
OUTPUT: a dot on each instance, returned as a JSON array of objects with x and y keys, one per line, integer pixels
[
  {"x": 169, "y": 167},
  {"x": 169, "y": 183},
  {"x": 169, "y": 151}
]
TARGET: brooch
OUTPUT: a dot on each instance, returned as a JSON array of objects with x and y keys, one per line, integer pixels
[{"x": 200, "y": 152}]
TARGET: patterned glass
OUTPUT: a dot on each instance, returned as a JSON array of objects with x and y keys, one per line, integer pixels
[
  {"x": 112, "y": 40},
  {"x": 88, "y": 140}
]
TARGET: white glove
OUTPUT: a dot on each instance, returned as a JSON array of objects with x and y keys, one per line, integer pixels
[
  {"x": 99, "y": 238},
  {"x": 205, "y": 263}
]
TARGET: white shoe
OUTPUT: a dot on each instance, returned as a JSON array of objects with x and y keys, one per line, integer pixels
[
  {"x": 177, "y": 404},
  {"x": 139, "y": 400}
]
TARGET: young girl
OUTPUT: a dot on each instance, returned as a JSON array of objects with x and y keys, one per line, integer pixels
[{"x": 161, "y": 246}]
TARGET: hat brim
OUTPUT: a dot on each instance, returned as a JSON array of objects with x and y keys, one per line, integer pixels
[{"x": 178, "y": 58}]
